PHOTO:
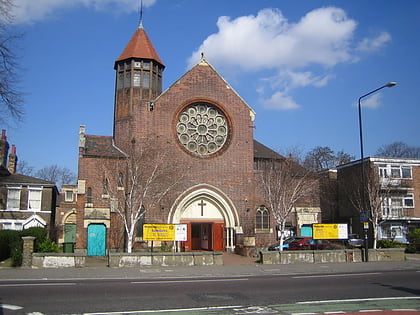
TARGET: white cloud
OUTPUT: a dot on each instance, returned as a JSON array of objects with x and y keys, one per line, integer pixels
[
  {"x": 268, "y": 40},
  {"x": 372, "y": 102},
  {"x": 279, "y": 100},
  {"x": 300, "y": 54},
  {"x": 29, "y": 11},
  {"x": 374, "y": 44}
]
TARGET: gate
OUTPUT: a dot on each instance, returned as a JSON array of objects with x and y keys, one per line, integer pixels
[{"x": 96, "y": 240}]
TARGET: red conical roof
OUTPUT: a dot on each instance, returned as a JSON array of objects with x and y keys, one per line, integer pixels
[{"x": 140, "y": 46}]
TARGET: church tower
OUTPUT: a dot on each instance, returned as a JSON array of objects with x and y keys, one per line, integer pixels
[{"x": 138, "y": 81}]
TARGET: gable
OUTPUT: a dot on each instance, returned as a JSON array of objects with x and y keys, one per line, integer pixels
[{"x": 204, "y": 82}]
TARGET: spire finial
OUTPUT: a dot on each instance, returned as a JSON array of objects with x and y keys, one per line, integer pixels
[{"x": 141, "y": 15}]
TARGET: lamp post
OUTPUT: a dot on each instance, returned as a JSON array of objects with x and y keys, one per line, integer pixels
[{"x": 365, "y": 215}]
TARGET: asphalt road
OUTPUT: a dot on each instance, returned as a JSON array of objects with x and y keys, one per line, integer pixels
[{"x": 270, "y": 294}]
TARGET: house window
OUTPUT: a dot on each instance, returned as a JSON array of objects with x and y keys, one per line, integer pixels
[
  {"x": 408, "y": 201},
  {"x": 68, "y": 196},
  {"x": 395, "y": 171},
  {"x": 120, "y": 180},
  {"x": 406, "y": 171},
  {"x": 136, "y": 78},
  {"x": 13, "y": 198},
  {"x": 89, "y": 195},
  {"x": 34, "y": 198},
  {"x": 262, "y": 219}
]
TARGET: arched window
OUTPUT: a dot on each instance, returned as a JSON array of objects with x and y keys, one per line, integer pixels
[
  {"x": 120, "y": 179},
  {"x": 89, "y": 195},
  {"x": 262, "y": 218}
]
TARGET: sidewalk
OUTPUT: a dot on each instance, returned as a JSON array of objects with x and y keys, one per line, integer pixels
[{"x": 233, "y": 270}]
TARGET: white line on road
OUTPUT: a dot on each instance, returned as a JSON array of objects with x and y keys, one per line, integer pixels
[
  {"x": 168, "y": 310},
  {"x": 338, "y": 275},
  {"x": 36, "y": 284},
  {"x": 363, "y": 300},
  {"x": 10, "y": 307},
  {"x": 183, "y": 281}
]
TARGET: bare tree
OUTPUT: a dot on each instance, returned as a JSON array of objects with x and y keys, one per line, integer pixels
[
  {"x": 138, "y": 183},
  {"x": 322, "y": 158},
  {"x": 284, "y": 183},
  {"x": 399, "y": 150},
  {"x": 58, "y": 175},
  {"x": 371, "y": 200},
  {"x": 24, "y": 168},
  {"x": 11, "y": 100}
]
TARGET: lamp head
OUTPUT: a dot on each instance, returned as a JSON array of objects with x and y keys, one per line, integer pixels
[{"x": 391, "y": 84}]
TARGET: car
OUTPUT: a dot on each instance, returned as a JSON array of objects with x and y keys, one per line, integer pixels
[
  {"x": 286, "y": 242},
  {"x": 300, "y": 243},
  {"x": 354, "y": 241}
]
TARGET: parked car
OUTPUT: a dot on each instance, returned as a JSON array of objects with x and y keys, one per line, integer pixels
[
  {"x": 308, "y": 243},
  {"x": 286, "y": 243},
  {"x": 354, "y": 241}
]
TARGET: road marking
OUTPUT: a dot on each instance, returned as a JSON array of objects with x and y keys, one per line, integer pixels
[
  {"x": 168, "y": 310},
  {"x": 10, "y": 307},
  {"x": 362, "y": 300},
  {"x": 35, "y": 284},
  {"x": 338, "y": 275},
  {"x": 183, "y": 281}
]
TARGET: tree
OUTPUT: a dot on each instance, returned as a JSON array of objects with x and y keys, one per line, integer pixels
[
  {"x": 321, "y": 158},
  {"x": 138, "y": 183},
  {"x": 399, "y": 149},
  {"x": 283, "y": 184},
  {"x": 58, "y": 175},
  {"x": 24, "y": 168},
  {"x": 376, "y": 191},
  {"x": 11, "y": 100}
]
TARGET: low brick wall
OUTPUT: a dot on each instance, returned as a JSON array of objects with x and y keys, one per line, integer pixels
[
  {"x": 165, "y": 259},
  {"x": 330, "y": 256},
  {"x": 59, "y": 260},
  {"x": 116, "y": 260}
]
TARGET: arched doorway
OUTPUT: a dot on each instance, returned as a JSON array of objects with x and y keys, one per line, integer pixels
[
  {"x": 210, "y": 217},
  {"x": 96, "y": 242}
]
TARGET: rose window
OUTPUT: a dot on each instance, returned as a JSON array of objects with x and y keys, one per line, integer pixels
[{"x": 202, "y": 129}]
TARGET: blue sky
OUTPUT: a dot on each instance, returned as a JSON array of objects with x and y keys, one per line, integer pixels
[{"x": 300, "y": 64}]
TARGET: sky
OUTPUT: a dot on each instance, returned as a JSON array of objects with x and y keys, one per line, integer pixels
[{"x": 301, "y": 65}]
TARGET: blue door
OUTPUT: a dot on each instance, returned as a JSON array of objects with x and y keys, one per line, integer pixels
[{"x": 96, "y": 240}]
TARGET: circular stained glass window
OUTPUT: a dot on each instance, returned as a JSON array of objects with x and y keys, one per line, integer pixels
[{"x": 202, "y": 129}]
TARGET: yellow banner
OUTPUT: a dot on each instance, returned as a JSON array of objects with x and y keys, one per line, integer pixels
[
  {"x": 330, "y": 231},
  {"x": 159, "y": 232}
]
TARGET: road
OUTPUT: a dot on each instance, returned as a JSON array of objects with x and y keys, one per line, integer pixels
[{"x": 286, "y": 294}]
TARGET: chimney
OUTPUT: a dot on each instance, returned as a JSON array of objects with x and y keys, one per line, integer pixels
[
  {"x": 4, "y": 149},
  {"x": 13, "y": 160}
]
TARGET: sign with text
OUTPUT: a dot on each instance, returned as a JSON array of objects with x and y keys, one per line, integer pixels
[
  {"x": 159, "y": 232},
  {"x": 181, "y": 232},
  {"x": 330, "y": 231}
]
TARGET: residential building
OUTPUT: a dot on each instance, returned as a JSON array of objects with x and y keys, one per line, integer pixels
[
  {"x": 25, "y": 201},
  {"x": 392, "y": 194}
]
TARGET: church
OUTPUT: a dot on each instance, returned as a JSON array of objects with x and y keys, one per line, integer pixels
[{"x": 206, "y": 130}]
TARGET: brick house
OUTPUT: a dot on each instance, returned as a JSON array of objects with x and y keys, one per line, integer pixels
[
  {"x": 208, "y": 130},
  {"x": 25, "y": 201},
  {"x": 392, "y": 186}
]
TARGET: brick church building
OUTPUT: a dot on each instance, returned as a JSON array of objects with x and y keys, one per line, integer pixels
[{"x": 207, "y": 128}]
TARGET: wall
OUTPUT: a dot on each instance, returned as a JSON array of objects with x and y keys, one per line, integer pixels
[{"x": 330, "y": 256}]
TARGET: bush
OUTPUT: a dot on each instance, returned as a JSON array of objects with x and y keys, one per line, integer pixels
[
  {"x": 48, "y": 246},
  {"x": 390, "y": 244},
  {"x": 11, "y": 244},
  {"x": 414, "y": 239},
  {"x": 7, "y": 239}
]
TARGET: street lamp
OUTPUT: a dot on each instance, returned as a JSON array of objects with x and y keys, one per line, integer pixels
[{"x": 364, "y": 212}]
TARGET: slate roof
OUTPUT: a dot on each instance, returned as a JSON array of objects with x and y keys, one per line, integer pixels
[
  {"x": 18, "y": 179},
  {"x": 263, "y": 152},
  {"x": 101, "y": 146},
  {"x": 140, "y": 46}
]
